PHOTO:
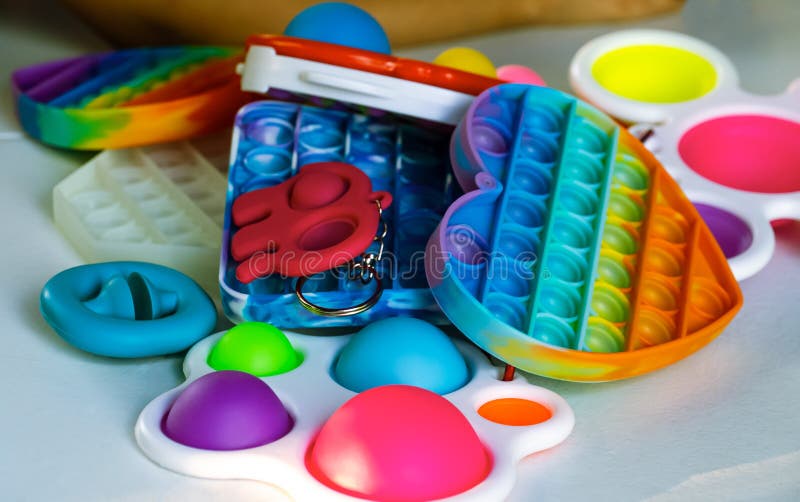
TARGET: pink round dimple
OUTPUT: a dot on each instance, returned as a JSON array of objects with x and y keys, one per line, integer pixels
[
  {"x": 398, "y": 443},
  {"x": 756, "y": 153}
]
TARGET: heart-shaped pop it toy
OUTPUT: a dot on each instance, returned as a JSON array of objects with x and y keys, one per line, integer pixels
[
  {"x": 380, "y": 447},
  {"x": 574, "y": 255},
  {"x": 227, "y": 410},
  {"x": 391, "y": 442},
  {"x": 401, "y": 350}
]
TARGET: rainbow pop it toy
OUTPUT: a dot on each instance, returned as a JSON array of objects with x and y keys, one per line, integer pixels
[
  {"x": 415, "y": 427},
  {"x": 573, "y": 254},
  {"x": 735, "y": 154},
  {"x": 129, "y": 98},
  {"x": 272, "y": 140},
  {"x": 163, "y": 204}
]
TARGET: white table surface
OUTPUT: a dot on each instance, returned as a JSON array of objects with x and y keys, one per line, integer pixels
[{"x": 722, "y": 423}]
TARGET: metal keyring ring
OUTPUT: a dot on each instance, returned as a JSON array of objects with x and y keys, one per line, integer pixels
[{"x": 341, "y": 312}]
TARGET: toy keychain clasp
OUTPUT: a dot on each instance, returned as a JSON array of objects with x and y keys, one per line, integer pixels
[{"x": 363, "y": 268}]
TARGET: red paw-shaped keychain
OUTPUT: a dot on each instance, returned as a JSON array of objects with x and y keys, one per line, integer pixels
[{"x": 322, "y": 218}]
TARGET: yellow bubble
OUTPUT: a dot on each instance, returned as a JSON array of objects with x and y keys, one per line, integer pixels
[
  {"x": 655, "y": 73},
  {"x": 466, "y": 59}
]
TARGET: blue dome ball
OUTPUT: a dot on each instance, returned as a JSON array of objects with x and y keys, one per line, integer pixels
[
  {"x": 339, "y": 23},
  {"x": 404, "y": 351}
]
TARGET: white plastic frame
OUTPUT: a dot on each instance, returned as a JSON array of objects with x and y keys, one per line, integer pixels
[
  {"x": 311, "y": 396},
  {"x": 264, "y": 69},
  {"x": 670, "y": 121}
]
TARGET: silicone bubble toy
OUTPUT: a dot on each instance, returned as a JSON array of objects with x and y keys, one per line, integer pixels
[
  {"x": 162, "y": 204},
  {"x": 379, "y": 82},
  {"x": 127, "y": 309},
  {"x": 519, "y": 74},
  {"x": 467, "y": 59},
  {"x": 129, "y": 98},
  {"x": 573, "y": 254},
  {"x": 735, "y": 154},
  {"x": 342, "y": 24},
  {"x": 304, "y": 432},
  {"x": 272, "y": 141}
]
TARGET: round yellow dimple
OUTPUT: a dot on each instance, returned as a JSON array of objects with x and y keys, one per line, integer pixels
[
  {"x": 655, "y": 73},
  {"x": 467, "y": 59}
]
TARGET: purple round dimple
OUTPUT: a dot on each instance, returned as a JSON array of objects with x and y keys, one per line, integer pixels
[
  {"x": 465, "y": 244},
  {"x": 732, "y": 233},
  {"x": 486, "y": 138},
  {"x": 227, "y": 410}
]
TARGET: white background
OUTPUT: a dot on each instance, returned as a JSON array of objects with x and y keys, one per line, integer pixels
[{"x": 722, "y": 423}]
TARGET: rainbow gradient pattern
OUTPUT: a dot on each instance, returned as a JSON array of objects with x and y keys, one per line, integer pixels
[
  {"x": 573, "y": 254},
  {"x": 129, "y": 98}
]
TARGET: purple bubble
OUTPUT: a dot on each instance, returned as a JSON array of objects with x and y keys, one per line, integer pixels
[
  {"x": 465, "y": 244},
  {"x": 487, "y": 139},
  {"x": 227, "y": 410},
  {"x": 732, "y": 233}
]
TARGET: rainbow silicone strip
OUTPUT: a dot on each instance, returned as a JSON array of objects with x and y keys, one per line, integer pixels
[{"x": 129, "y": 98}]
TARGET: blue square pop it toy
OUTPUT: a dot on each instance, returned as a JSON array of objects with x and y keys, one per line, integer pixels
[{"x": 272, "y": 140}]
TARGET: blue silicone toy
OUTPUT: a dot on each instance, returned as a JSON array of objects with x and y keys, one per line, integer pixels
[
  {"x": 127, "y": 309},
  {"x": 342, "y": 24},
  {"x": 401, "y": 350}
]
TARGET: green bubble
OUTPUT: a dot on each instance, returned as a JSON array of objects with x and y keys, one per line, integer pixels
[
  {"x": 631, "y": 174},
  {"x": 623, "y": 207},
  {"x": 610, "y": 304},
  {"x": 618, "y": 239},
  {"x": 256, "y": 348},
  {"x": 613, "y": 272},
  {"x": 602, "y": 337}
]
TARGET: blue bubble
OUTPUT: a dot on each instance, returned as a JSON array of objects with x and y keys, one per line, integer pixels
[
  {"x": 401, "y": 350},
  {"x": 342, "y": 24}
]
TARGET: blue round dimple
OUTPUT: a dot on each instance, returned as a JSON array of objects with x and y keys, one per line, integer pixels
[
  {"x": 559, "y": 300},
  {"x": 553, "y": 332},
  {"x": 566, "y": 265},
  {"x": 543, "y": 119},
  {"x": 268, "y": 161},
  {"x": 313, "y": 157},
  {"x": 320, "y": 138},
  {"x": 510, "y": 311},
  {"x": 401, "y": 350},
  {"x": 538, "y": 147},
  {"x": 578, "y": 165},
  {"x": 588, "y": 137},
  {"x": 271, "y": 132},
  {"x": 517, "y": 243},
  {"x": 572, "y": 231},
  {"x": 525, "y": 212},
  {"x": 579, "y": 200},
  {"x": 532, "y": 178}
]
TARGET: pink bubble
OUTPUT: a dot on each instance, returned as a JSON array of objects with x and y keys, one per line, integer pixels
[
  {"x": 398, "y": 443},
  {"x": 519, "y": 74}
]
